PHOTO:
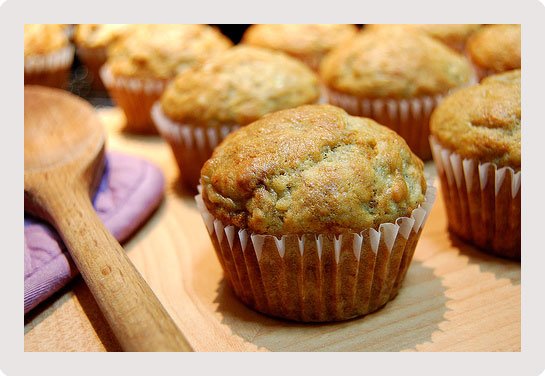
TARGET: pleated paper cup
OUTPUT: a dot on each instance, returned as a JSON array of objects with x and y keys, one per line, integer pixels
[
  {"x": 51, "y": 69},
  {"x": 482, "y": 201},
  {"x": 408, "y": 117},
  {"x": 317, "y": 277},
  {"x": 191, "y": 145},
  {"x": 136, "y": 97},
  {"x": 93, "y": 59}
]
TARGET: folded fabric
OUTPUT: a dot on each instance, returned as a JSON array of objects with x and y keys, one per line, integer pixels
[{"x": 130, "y": 190}]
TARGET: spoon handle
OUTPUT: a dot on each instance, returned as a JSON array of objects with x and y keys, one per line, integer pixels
[{"x": 135, "y": 315}]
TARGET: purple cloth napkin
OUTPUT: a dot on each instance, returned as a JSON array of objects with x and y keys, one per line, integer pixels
[{"x": 131, "y": 188}]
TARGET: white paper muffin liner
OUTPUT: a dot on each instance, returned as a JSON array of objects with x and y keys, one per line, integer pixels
[
  {"x": 135, "y": 96},
  {"x": 482, "y": 201},
  {"x": 317, "y": 277},
  {"x": 57, "y": 60},
  {"x": 408, "y": 117},
  {"x": 191, "y": 145},
  {"x": 51, "y": 69}
]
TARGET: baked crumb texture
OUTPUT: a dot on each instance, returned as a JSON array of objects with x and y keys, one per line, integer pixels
[
  {"x": 161, "y": 51},
  {"x": 42, "y": 39},
  {"x": 312, "y": 169},
  {"x": 239, "y": 86},
  {"x": 100, "y": 35},
  {"x": 306, "y": 42},
  {"x": 495, "y": 48},
  {"x": 453, "y": 35},
  {"x": 393, "y": 63},
  {"x": 482, "y": 122}
]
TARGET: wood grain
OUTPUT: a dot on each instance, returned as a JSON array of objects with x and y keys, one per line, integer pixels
[{"x": 454, "y": 297}]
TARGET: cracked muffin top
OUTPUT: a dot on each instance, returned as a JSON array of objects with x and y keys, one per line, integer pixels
[
  {"x": 161, "y": 51},
  {"x": 496, "y": 47},
  {"x": 450, "y": 34},
  {"x": 42, "y": 39},
  {"x": 239, "y": 86},
  {"x": 312, "y": 169},
  {"x": 299, "y": 39},
  {"x": 394, "y": 63},
  {"x": 99, "y": 35},
  {"x": 483, "y": 121}
]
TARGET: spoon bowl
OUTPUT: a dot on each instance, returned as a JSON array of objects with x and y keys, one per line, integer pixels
[{"x": 46, "y": 112}]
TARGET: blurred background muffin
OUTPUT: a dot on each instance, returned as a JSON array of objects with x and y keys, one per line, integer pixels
[
  {"x": 140, "y": 65},
  {"x": 48, "y": 55},
  {"x": 314, "y": 214},
  {"x": 495, "y": 49},
  {"x": 92, "y": 41},
  {"x": 476, "y": 135},
  {"x": 396, "y": 77},
  {"x": 306, "y": 42},
  {"x": 453, "y": 35},
  {"x": 236, "y": 87}
]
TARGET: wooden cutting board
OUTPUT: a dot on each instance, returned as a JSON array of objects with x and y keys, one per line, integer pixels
[{"x": 454, "y": 298}]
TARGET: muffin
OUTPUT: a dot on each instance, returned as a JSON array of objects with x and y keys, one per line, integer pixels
[
  {"x": 476, "y": 146},
  {"x": 232, "y": 89},
  {"x": 495, "y": 49},
  {"x": 395, "y": 77},
  {"x": 48, "y": 55},
  {"x": 453, "y": 35},
  {"x": 306, "y": 42},
  {"x": 92, "y": 41},
  {"x": 140, "y": 65},
  {"x": 314, "y": 214}
]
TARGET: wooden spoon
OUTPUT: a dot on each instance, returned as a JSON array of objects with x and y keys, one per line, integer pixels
[{"x": 64, "y": 160}]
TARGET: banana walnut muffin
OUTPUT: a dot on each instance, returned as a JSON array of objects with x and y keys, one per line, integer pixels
[{"x": 314, "y": 214}]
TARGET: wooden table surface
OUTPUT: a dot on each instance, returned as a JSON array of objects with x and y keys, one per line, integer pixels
[{"x": 454, "y": 297}]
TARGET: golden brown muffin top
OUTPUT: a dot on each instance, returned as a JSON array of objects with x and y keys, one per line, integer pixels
[
  {"x": 299, "y": 39},
  {"x": 99, "y": 35},
  {"x": 42, "y": 39},
  {"x": 496, "y": 47},
  {"x": 394, "y": 63},
  {"x": 162, "y": 51},
  {"x": 239, "y": 86},
  {"x": 450, "y": 34},
  {"x": 312, "y": 169},
  {"x": 482, "y": 122}
]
